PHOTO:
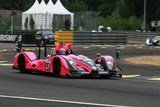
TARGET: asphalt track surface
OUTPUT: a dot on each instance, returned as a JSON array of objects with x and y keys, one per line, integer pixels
[{"x": 39, "y": 90}]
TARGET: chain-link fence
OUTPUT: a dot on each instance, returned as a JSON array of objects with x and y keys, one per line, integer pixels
[
  {"x": 83, "y": 21},
  {"x": 86, "y": 21},
  {"x": 10, "y": 20}
]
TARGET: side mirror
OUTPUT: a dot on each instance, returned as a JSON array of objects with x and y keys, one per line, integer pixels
[{"x": 48, "y": 56}]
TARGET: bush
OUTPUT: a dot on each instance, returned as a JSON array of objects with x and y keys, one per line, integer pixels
[
  {"x": 133, "y": 23},
  {"x": 115, "y": 21},
  {"x": 101, "y": 21}
]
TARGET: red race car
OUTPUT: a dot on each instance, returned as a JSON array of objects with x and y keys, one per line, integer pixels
[{"x": 63, "y": 63}]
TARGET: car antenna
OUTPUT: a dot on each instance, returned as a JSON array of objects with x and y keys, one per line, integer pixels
[
  {"x": 45, "y": 49},
  {"x": 39, "y": 50}
]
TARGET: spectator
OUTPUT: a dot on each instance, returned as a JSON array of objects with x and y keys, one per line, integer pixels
[
  {"x": 109, "y": 29},
  {"x": 94, "y": 30},
  {"x": 100, "y": 28}
]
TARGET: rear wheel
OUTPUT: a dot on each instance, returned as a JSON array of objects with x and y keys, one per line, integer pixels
[
  {"x": 104, "y": 65},
  {"x": 56, "y": 67},
  {"x": 21, "y": 63}
]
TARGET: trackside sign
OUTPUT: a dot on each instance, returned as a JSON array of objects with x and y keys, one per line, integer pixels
[{"x": 8, "y": 38}]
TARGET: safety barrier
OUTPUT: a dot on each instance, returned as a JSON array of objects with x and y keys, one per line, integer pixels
[
  {"x": 98, "y": 38},
  {"x": 139, "y": 37},
  {"x": 63, "y": 37},
  {"x": 88, "y": 38}
]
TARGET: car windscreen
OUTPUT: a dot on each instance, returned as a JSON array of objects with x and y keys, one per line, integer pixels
[{"x": 47, "y": 33}]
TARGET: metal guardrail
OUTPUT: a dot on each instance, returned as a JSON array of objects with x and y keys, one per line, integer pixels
[
  {"x": 88, "y": 38},
  {"x": 98, "y": 38},
  {"x": 139, "y": 37}
]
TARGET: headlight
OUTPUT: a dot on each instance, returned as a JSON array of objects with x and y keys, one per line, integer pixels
[
  {"x": 88, "y": 61},
  {"x": 110, "y": 65},
  {"x": 71, "y": 62},
  {"x": 91, "y": 63},
  {"x": 94, "y": 68},
  {"x": 46, "y": 37},
  {"x": 155, "y": 41}
]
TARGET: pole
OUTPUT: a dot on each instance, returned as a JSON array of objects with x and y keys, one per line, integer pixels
[
  {"x": 46, "y": 21},
  {"x": 144, "y": 16},
  {"x": 39, "y": 50},
  {"x": 11, "y": 24},
  {"x": 45, "y": 48},
  {"x": 117, "y": 51}
]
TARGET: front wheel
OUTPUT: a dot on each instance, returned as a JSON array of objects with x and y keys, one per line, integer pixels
[
  {"x": 56, "y": 67},
  {"x": 21, "y": 63}
]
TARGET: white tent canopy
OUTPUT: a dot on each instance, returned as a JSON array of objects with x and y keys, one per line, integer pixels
[
  {"x": 33, "y": 9},
  {"x": 60, "y": 9},
  {"x": 50, "y": 6},
  {"x": 42, "y": 14},
  {"x": 26, "y": 15}
]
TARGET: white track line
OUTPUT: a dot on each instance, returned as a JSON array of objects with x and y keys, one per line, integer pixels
[
  {"x": 3, "y": 61},
  {"x": 6, "y": 64},
  {"x": 61, "y": 101}
]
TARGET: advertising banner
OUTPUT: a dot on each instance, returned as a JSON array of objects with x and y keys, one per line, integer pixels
[{"x": 9, "y": 38}]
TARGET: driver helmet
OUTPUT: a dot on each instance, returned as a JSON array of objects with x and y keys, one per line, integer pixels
[{"x": 62, "y": 51}]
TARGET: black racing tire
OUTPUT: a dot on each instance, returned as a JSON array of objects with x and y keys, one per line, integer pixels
[
  {"x": 105, "y": 67},
  {"x": 56, "y": 67},
  {"x": 104, "y": 64},
  {"x": 157, "y": 43},
  {"x": 104, "y": 76},
  {"x": 22, "y": 63}
]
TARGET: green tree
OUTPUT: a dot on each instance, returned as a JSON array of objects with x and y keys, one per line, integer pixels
[
  {"x": 126, "y": 8},
  {"x": 106, "y": 7},
  {"x": 101, "y": 21},
  {"x": 133, "y": 23},
  {"x": 78, "y": 6},
  {"x": 115, "y": 21}
]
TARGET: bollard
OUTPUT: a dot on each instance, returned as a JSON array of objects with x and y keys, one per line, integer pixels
[
  {"x": 117, "y": 51},
  {"x": 18, "y": 46}
]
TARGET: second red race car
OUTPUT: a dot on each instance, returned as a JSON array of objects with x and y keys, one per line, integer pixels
[{"x": 63, "y": 63}]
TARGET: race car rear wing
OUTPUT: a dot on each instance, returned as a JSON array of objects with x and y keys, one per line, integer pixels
[{"x": 19, "y": 47}]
